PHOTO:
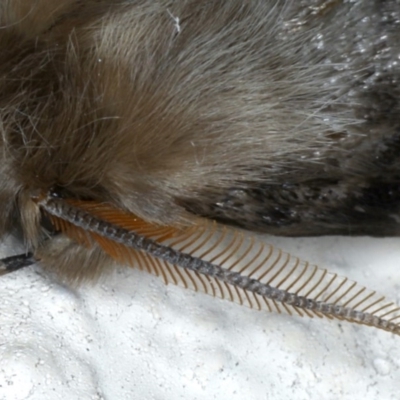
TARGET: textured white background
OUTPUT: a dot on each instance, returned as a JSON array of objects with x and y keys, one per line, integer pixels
[{"x": 131, "y": 337}]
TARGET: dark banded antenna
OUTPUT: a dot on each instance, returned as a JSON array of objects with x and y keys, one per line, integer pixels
[{"x": 14, "y": 263}]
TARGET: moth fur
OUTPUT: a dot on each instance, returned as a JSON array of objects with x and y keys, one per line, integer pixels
[{"x": 275, "y": 116}]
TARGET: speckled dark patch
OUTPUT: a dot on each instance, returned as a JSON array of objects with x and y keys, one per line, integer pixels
[
  {"x": 352, "y": 204},
  {"x": 310, "y": 208}
]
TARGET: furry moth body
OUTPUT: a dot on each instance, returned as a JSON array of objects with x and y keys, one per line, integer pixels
[{"x": 274, "y": 116}]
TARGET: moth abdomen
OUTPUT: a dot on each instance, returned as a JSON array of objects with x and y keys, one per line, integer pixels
[{"x": 111, "y": 102}]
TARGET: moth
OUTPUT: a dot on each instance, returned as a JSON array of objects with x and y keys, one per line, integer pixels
[{"x": 160, "y": 134}]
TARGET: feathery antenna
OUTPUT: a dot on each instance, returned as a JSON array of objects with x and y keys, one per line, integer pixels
[{"x": 224, "y": 263}]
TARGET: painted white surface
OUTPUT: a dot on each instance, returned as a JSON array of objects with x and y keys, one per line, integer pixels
[{"x": 131, "y": 337}]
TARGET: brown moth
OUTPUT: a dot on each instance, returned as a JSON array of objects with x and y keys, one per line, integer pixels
[{"x": 128, "y": 127}]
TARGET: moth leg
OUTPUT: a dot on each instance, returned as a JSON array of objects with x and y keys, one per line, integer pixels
[{"x": 14, "y": 263}]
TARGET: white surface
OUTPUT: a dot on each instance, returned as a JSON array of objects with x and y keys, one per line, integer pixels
[{"x": 131, "y": 337}]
